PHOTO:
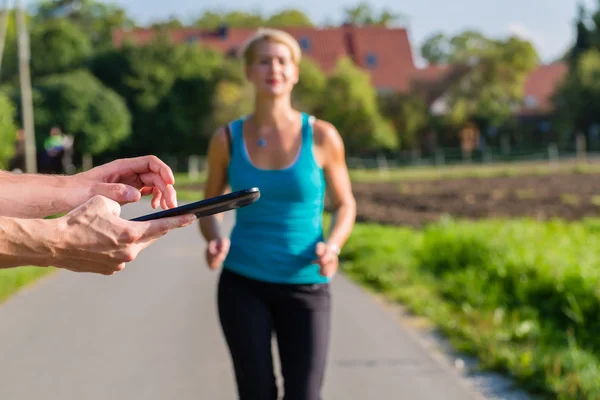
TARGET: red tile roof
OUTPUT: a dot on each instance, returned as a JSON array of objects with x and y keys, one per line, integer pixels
[
  {"x": 388, "y": 48},
  {"x": 541, "y": 85},
  {"x": 384, "y": 52},
  {"x": 390, "y": 51}
]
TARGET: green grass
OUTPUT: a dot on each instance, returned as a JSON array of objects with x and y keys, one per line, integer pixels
[
  {"x": 523, "y": 296},
  {"x": 472, "y": 171},
  {"x": 447, "y": 172},
  {"x": 14, "y": 279}
]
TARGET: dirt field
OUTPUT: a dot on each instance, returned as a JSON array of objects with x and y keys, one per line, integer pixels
[
  {"x": 414, "y": 203},
  {"x": 570, "y": 197}
]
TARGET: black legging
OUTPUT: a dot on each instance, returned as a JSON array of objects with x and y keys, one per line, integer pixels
[{"x": 251, "y": 310}]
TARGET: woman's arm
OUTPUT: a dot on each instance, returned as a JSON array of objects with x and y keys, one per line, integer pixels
[
  {"x": 338, "y": 182},
  {"x": 216, "y": 181}
]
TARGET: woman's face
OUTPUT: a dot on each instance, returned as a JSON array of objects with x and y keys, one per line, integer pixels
[{"x": 273, "y": 71}]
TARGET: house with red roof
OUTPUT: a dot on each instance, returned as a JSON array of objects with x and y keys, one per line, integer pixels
[{"x": 385, "y": 53}]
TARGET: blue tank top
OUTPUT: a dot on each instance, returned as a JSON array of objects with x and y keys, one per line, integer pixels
[{"x": 275, "y": 239}]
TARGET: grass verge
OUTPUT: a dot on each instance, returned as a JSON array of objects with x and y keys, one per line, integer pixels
[
  {"x": 473, "y": 171},
  {"x": 522, "y": 296},
  {"x": 14, "y": 279},
  {"x": 445, "y": 172}
]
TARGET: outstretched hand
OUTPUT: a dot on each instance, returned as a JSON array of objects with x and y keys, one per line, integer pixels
[{"x": 127, "y": 180}]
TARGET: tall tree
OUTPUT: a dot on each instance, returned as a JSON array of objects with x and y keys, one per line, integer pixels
[
  {"x": 8, "y": 130},
  {"x": 498, "y": 69},
  {"x": 290, "y": 17},
  {"x": 583, "y": 41},
  {"x": 96, "y": 19},
  {"x": 364, "y": 14},
  {"x": 168, "y": 89},
  {"x": 58, "y": 46},
  {"x": 351, "y": 105},
  {"x": 239, "y": 19},
  {"x": 436, "y": 49},
  {"x": 79, "y": 103}
]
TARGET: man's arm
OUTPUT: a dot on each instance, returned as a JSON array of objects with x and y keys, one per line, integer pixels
[
  {"x": 124, "y": 181},
  {"x": 35, "y": 196},
  {"x": 23, "y": 244},
  {"x": 91, "y": 238}
]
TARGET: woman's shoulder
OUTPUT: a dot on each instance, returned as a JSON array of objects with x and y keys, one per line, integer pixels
[{"x": 325, "y": 133}]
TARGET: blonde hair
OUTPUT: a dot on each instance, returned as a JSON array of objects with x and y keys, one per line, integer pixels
[{"x": 273, "y": 35}]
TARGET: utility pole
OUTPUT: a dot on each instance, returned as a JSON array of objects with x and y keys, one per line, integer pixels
[
  {"x": 26, "y": 96},
  {"x": 3, "y": 29}
]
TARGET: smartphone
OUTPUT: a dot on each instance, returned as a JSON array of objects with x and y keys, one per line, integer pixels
[{"x": 204, "y": 208}]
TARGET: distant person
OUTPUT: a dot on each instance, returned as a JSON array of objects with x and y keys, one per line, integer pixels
[
  {"x": 54, "y": 148},
  {"x": 91, "y": 237},
  {"x": 17, "y": 163},
  {"x": 54, "y": 143},
  {"x": 277, "y": 265}
]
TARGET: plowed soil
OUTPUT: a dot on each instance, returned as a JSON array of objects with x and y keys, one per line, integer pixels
[
  {"x": 415, "y": 203},
  {"x": 569, "y": 197}
]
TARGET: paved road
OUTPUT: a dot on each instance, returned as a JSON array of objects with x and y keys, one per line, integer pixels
[{"x": 151, "y": 332}]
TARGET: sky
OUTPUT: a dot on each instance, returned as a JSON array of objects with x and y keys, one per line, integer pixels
[{"x": 549, "y": 24}]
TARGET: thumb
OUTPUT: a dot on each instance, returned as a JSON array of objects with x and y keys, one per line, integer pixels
[
  {"x": 321, "y": 249},
  {"x": 118, "y": 192},
  {"x": 159, "y": 227}
]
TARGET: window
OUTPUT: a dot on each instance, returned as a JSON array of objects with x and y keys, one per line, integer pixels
[
  {"x": 371, "y": 60},
  {"x": 530, "y": 101},
  {"x": 304, "y": 44}
]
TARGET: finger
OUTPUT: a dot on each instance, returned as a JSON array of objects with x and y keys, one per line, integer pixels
[
  {"x": 327, "y": 258},
  {"x": 156, "y": 228},
  {"x": 142, "y": 165},
  {"x": 321, "y": 249},
  {"x": 157, "y": 197},
  {"x": 146, "y": 190},
  {"x": 118, "y": 192},
  {"x": 168, "y": 191},
  {"x": 163, "y": 203}
]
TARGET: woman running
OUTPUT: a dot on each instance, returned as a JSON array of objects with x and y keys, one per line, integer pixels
[{"x": 277, "y": 264}]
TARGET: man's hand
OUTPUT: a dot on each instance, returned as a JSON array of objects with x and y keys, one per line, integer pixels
[
  {"x": 126, "y": 180},
  {"x": 93, "y": 238},
  {"x": 327, "y": 260}
]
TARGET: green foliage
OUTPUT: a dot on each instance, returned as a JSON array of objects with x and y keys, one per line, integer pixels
[
  {"x": 309, "y": 91},
  {"x": 169, "y": 90},
  {"x": 14, "y": 279},
  {"x": 79, "y": 103},
  {"x": 351, "y": 105},
  {"x": 436, "y": 49},
  {"x": 578, "y": 96},
  {"x": 7, "y": 130},
  {"x": 289, "y": 17},
  {"x": 212, "y": 19},
  {"x": 521, "y": 295},
  {"x": 496, "y": 78},
  {"x": 408, "y": 114},
  {"x": 58, "y": 46},
  {"x": 230, "y": 101},
  {"x": 363, "y": 14},
  {"x": 583, "y": 41},
  {"x": 96, "y": 19}
]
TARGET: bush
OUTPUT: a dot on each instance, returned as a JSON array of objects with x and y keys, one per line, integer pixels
[{"x": 521, "y": 295}]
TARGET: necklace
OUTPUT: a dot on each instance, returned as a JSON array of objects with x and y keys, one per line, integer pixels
[{"x": 262, "y": 142}]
